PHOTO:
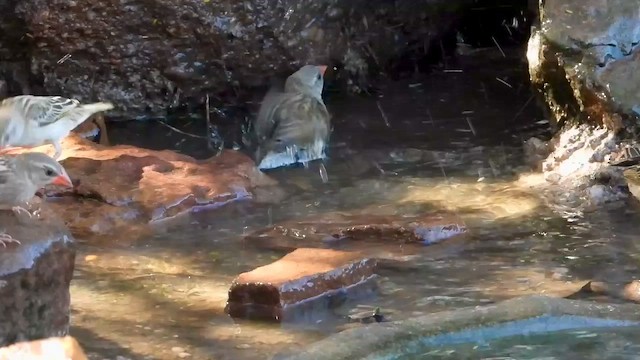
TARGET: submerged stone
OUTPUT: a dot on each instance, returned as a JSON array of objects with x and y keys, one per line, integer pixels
[
  {"x": 296, "y": 285},
  {"x": 365, "y": 232}
]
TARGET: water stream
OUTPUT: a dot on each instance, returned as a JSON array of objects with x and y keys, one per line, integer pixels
[{"x": 163, "y": 298}]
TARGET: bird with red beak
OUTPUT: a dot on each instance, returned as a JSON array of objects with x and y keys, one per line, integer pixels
[
  {"x": 293, "y": 125},
  {"x": 21, "y": 176}
]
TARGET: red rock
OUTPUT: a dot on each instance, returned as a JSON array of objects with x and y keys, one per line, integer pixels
[
  {"x": 58, "y": 348},
  {"x": 279, "y": 291},
  {"x": 337, "y": 228},
  {"x": 126, "y": 184}
]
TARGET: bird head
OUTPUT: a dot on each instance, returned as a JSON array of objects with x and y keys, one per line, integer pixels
[
  {"x": 43, "y": 170},
  {"x": 309, "y": 79}
]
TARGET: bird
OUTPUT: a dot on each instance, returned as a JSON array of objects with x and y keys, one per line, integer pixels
[
  {"x": 21, "y": 176},
  {"x": 293, "y": 125},
  {"x": 29, "y": 121}
]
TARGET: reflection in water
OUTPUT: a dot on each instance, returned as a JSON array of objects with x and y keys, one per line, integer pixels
[{"x": 450, "y": 141}]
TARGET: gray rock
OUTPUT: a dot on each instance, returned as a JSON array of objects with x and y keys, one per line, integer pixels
[
  {"x": 34, "y": 280},
  {"x": 582, "y": 61},
  {"x": 525, "y": 315},
  {"x": 145, "y": 54}
]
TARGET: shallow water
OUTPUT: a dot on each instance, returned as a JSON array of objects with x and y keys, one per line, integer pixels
[{"x": 163, "y": 298}]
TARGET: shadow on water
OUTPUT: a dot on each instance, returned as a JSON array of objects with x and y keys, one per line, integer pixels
[{"x": 450, "y": 140}]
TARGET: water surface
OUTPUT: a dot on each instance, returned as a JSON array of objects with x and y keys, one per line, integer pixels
[{"x": 163, "y": 297}]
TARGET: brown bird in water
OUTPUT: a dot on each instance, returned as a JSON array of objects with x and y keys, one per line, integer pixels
[
  {"x": 294, "y": 125},
  {"x": 21, "y": 176}
]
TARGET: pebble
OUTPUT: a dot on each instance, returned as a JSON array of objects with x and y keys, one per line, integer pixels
[
  {"x": 183, "y": 355},
  {"x": 177, "y": 349},
  {"x": 243, "y": 346}
]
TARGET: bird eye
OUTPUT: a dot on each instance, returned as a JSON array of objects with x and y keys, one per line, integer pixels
[
  {"x": 49, "y": 172},
  {"x": 319, "y": 77}
]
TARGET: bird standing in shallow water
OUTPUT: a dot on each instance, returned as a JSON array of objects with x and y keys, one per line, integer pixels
[
  {"x": 294, "y": 125},
  {"x": 29, "y": 121},
  {"x": 21, "y": 176}
]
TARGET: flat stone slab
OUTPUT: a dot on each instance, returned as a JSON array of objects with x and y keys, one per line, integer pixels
[
  {"x": 59, "y": 348},
  {"x": 336, "y": 228},
  {"x": 34, "y": 279},
  {"x": 119, "y": 186},
  {"x": 278, "y": 290},
  {"x": 378, "y": 341}
]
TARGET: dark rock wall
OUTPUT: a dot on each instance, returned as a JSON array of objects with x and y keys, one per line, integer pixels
[{"x": 148, "y": 55}]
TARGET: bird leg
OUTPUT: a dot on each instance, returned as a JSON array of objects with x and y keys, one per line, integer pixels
[
  {"x": 19, "y": 211},
  {"x": 6, "y": 238}
]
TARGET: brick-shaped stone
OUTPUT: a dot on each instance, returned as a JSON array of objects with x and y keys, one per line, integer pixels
[{"x": 279, "y": 291}]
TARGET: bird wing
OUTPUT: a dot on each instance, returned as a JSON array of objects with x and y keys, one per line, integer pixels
[
  {"x": 45, "y": 110},
  {"x": 11, "y": 127},
  {"x": 7, "y": 169},
  {"x": 14, "y": 189},
  {"x": 264, "y": 123},
  {"x": 299, "y": 119}
]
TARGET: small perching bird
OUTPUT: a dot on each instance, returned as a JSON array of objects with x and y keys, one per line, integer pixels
[
  {"x": 30, "y": 121},
  {"x": 293, "y": 125},
  {"x": 21, "y": 176}
]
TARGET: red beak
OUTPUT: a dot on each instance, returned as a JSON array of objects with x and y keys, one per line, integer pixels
[
  {"x": 322, "y": 68},
  {"x": 62, "y": 180}
]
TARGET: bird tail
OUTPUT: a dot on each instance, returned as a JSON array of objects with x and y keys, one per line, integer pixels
[
  {"x": 96, "y": 107},
  {"x": 83, "y": 112}
]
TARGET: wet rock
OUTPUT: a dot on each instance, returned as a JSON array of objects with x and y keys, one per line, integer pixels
[
  {"x": 364, "y": 230},
  {"x": 583, "y": 61},
  {"x": 367, "y": 317},
  {"x": 572, "y": 57},
  {"x": 515, "y": 317},
  {"x": 629, "y": 291},
  {"x": 34, "y": 280},
  {"x": 144, "y": 55},
  {"x": 124, "y": 185},
  {"x": 59, "y": 348},
  {"x": 292, "y": 287}
]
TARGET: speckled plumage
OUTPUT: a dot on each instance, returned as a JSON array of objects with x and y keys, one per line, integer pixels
[
  {"x": 293, "y": 125},
  {"x": 21, "y": 176},
  {"x": 28, "y": 121}
]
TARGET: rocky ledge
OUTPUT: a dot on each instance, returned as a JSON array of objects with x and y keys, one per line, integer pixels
[
  {"x": 149, "y": 55},
  {"x": 583, "y": 63},
  {"x": 34, "y": 279},
  {"x": 127, "y": 187}
]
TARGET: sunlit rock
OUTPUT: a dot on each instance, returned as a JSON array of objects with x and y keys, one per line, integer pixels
[
  {"x": 148, "y": 55},
  {"x": 372, "y": 234},
  {"x": 125, "y": 185},
  {"x": 66, "y": 348},
  {"x": 300, "y": 285},
  {"x": 582, "y": 61},
  {"x": 570, "y": 57},
  {"x": 34, "y": 280}
]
